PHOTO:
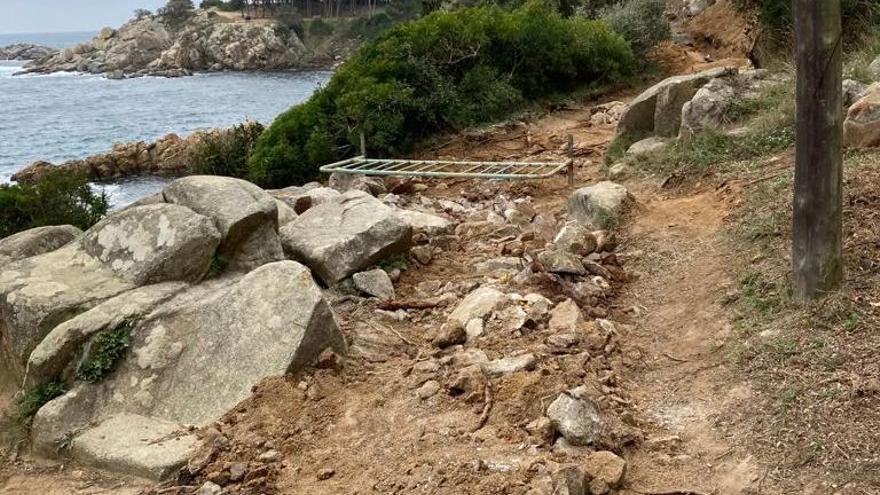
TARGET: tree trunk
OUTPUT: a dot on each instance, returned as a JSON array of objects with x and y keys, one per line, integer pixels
[{"x": 816, "y": 259}]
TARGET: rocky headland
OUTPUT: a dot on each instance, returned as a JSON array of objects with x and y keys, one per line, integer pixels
[
  {"x": 25, "y": 51},
  {"x": 204, "y": 41},
  {"x": 168, "y": 156}
]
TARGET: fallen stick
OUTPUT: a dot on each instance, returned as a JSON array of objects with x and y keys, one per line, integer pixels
[
  {"x": 376, "y": 326},
  {"x": 676, "y": 359},
  {"x": 673, "y": 492},
  {"x": 487, "y": 407},
  {"x": 408, "y": 304}
]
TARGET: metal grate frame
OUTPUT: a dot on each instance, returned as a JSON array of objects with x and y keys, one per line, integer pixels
[
  {"x": 444, "y": 168},
  {"x": 453, "y": 169}
]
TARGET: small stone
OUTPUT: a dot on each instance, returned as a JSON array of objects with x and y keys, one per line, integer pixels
[
  {"x": 566, "y": 316},
  {"x": 209, "y": 488},
  {"x": 541, "y": 429},
  {"x": 326, "y": 474},
  {"x": 561, "y": 262},
  {"x": 423, "y": 254},
  {"x": 575, "y": 239},
  {"x": 375, "y": 283},
  {"x": 513, "y": 364},
  {"x": 576, "y": 417},
  {"x": 428, "y": 389},
  {"x": 237, "y": 471},
  {"x": 618, "y": 171},
  {"x": 469, "y": 382},
  {"x": 450, "y": 335},
  {"x": 599, "y": 205},
  {"x": 568, "y": 480},
  {"x": 606, "y": 466},
  {"x": 270, "y": 456}
]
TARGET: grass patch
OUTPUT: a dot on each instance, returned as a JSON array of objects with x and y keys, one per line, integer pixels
[
  {"x": 705, "y": 150},
  {"x": 37, "y": 398},
  {"x": 104, "y": 352},
  {"x": 763, "y": 297},
  {"x": 394, "y": 263}
]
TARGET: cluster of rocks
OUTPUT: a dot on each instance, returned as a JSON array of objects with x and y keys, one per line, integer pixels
[
  {"x": 25, "y": 51},
  {"x": 151, "y": 45},
  {"x": 170, "y": 155},
  {"x": 680, "y": 107},
  {"x": 196, "y": 286}
]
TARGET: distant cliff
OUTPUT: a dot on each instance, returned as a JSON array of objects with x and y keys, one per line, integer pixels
[
  {"x": 204, "y": 41},
  {"x": 25, "y": 51}
]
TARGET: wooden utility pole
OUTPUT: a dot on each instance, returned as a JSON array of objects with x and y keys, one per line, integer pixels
[{"x": 817, "y": 254}]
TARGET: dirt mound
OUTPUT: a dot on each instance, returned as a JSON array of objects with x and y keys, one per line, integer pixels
[{"x": 723, "y": 31}]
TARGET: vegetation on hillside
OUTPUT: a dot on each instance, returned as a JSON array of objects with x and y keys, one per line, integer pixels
[
  {"x": 226, "y": 152},
  {"x": 445, "y": 71},
  {"x": 776, "y": 15},
  {"x": 57, "y": 199}
]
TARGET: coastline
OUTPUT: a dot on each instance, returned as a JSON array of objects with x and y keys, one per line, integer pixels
[{"x": 84, "y": 116}]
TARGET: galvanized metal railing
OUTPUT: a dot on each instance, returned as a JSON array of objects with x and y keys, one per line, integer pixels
[{"x": 452, "y": 168}]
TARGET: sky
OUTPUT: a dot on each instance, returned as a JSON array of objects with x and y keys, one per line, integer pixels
[{"x": 52, "y": 16}]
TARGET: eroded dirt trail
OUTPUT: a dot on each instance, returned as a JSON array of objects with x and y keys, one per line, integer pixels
[{"x": 683, "y": 384}]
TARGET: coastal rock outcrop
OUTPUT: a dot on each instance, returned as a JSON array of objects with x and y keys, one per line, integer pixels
[
  {"x": 153, "y": 45},
  {"x": 25, "y": 51},
  {"x": 127, "y": 318},
  {"x": 170, "y": 155}
]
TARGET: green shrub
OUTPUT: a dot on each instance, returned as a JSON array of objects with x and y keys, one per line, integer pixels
[
  {"x": 225, "y": 6},
  {"x": 318, "y": 28},
  {"x": 226, "y": 152},
  {"x": 103, "y": 353},
  {"x": 443, "y": 72},
  {"x": 176, "y": 11},
  {"x": 58, "y": 198},
  {"x": 31, "y": 402},
  {"x": 641, "y": 22}
]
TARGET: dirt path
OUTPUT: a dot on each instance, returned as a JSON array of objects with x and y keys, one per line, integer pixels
[{"x": 684, "y": 385}]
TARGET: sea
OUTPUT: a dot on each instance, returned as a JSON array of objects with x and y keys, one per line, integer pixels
[{"x": 65, "y": 116}]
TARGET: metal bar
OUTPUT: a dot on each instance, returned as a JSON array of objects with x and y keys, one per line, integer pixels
[{"x": 440, "y": 168}]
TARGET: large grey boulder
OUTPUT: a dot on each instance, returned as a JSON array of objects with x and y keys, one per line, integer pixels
[
  {"x": 197, "y": 355},
  {"x": 135, "y": 445},
  {"x": 600, "y": 205},
  {"x": 36, "y": 241},
  {"x": 861, "y": 128},
  {"x": 707, "y": 108},
  {"x": 657, "y": 111},
  {"x": 154, "y": 243},
  {"x": 245, "y": 215},
  {"x": 342, "y": 236},
  {"x": 53, "y": 357},
  {"x": 852, "y": 91},
  {"x": 38, "y": 293},
  {"x": 647, "y": 147}
]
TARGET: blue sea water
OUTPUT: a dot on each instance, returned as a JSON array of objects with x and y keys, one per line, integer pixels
[
  {"x": 52, "y": 40},
  {"x": 65, "y": 116}
]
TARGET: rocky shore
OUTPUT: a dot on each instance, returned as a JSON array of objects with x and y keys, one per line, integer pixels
[
  {"x": 153, "y": 45},
  {"x": 25, "y": 51},
  {"x": 167, "y": 156}
]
